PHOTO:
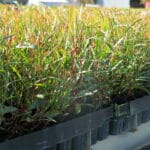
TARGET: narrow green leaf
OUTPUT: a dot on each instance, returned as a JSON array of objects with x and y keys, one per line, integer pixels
[
  {"x": 7, "y": 109},
  {"x": 50, "y": 116}
]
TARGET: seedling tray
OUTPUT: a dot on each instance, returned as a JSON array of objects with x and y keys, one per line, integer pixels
[
  {"x": 82, "y": 132},
  {"x": 129, "y": 115},
  {"x": 49, "y": 138}
]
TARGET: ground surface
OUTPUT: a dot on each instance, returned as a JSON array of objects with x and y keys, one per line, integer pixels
[{"x": 126, "y": 141}]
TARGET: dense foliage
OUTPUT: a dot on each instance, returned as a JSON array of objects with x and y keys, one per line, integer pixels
[{"x": 53, "y": 59}]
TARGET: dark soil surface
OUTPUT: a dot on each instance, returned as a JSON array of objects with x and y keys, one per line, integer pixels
[{"x": 126, "y": 97}]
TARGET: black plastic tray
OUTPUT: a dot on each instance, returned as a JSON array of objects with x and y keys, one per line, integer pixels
[
  {"x": 50, "y": 137},
  {"x": 82, "y": 132}
]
